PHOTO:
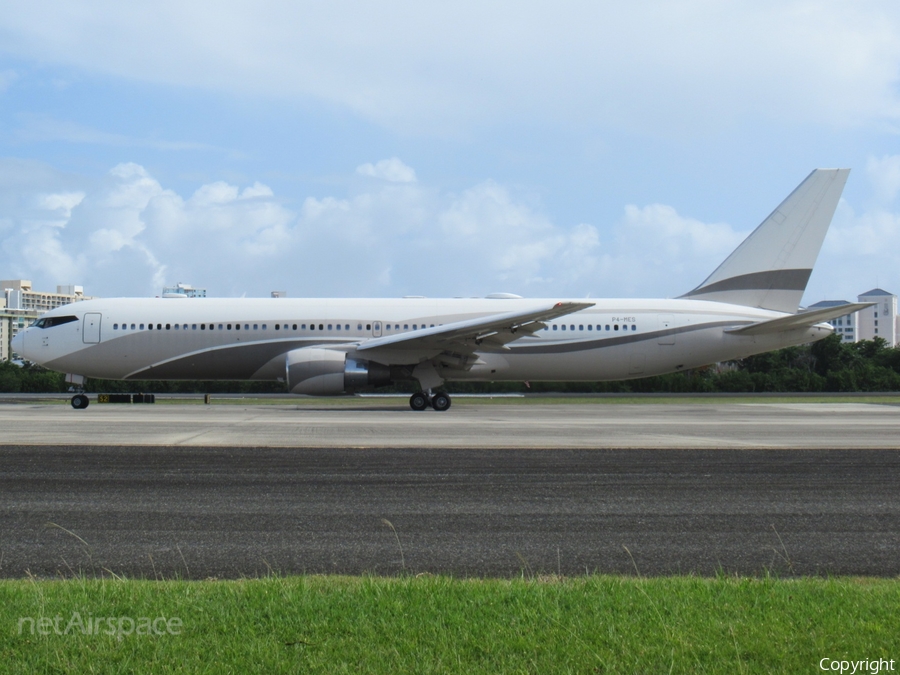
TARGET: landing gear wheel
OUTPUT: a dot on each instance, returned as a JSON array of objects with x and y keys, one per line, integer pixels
[
  {"x": 440, "y": 401},
  {"x": 418, "y": 401},
  {"x": 80, "y": 401}
]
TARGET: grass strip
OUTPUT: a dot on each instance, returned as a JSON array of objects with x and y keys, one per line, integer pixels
[{"x": 329, "y": 624}]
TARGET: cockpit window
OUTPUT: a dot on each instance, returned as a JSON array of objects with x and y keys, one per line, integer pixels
[{"x": 50, "y": 321}]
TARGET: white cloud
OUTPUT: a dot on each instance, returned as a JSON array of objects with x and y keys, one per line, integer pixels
[
  {"x": 215, "y": 193},
  {"x": 257, "y": 190},
  {"x": 388, "y": 169},
  {"x": 656, "y": 252},
  {"x": 659, "y": 225},
  {"x": 871, "y": 234},
  {"x": 129, "y": 235},
  {"x": 420, "y": 66},
  {"x": 63, "y": 202},
  {"x": 125, "y": 234}
]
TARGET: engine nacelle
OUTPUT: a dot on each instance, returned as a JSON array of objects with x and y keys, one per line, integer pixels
[{"x": 326, "y": 372}]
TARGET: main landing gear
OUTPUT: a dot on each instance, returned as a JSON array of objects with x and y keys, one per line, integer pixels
[
  {"x": 80, "y": 401},
  {"x": 421, "y": 400}
]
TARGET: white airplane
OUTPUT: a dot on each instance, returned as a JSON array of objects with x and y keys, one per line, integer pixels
[{"x": 748, "y": 305}]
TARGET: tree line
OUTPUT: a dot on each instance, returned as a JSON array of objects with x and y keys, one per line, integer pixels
[{"x": 828, "y": 365}]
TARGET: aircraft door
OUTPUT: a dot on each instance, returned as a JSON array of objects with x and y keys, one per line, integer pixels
[
  {"x": 90, "y": 332},
  {"x": 666, "y": 334},
  {"x": 376, "y": 329}
]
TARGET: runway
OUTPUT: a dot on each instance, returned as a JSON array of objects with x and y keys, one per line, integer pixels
[
  {"x": 231, "y": 512},
  {"x": 390, "y": 423},
  {"x": 742, "y": 500}
]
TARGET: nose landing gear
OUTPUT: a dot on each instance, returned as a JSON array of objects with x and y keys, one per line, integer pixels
[{"x": 421, "y": 400}]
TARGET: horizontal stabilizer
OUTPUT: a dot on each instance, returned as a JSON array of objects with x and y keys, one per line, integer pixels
[{"x": 799, "y": 320}]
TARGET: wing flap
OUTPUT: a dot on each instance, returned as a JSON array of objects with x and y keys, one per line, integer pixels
[
  {"x": 799, "y": 320},
  {"x": 494, "y": 331}
]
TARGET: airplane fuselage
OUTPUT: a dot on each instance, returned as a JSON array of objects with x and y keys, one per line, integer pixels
[{"x": 238, "y": 339}]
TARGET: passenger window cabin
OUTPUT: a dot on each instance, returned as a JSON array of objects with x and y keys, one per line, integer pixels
[{"x": 346, "y": 327}]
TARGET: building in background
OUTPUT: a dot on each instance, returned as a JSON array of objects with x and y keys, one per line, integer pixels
[
  {"x": 879, "y": 320},
  {"x": 19, "y": 295},
  {"x": 21, "y": 305},
  {"x": 181, "y": 290},
  {"x": 5, "y": 328}
]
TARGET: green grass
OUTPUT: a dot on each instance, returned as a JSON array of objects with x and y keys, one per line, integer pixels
[{"x": 596, "y": 624}]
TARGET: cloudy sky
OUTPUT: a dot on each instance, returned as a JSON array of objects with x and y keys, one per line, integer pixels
[{"x": 576, "y": 148}]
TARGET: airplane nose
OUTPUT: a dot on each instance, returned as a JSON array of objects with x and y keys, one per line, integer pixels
[{"x": 18, "y": 343}]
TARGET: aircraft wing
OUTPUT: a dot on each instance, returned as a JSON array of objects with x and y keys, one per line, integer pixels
[
  {"x": 464, "y": 337},
  {"x": 799, "y": 320}
]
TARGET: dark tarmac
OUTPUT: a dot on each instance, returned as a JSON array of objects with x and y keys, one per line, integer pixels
[{"x": 225, "y": 512}]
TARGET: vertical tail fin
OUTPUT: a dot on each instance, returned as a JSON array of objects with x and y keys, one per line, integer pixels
[{"x": 771, "y": 267}]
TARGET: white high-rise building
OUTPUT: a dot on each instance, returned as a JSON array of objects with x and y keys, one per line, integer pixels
[
  {"x": 181, "y": 290},
  {"x": 5, "y": 329},
  {"x": 19, "y": 295},
  {"x": 879, "y": 320}
]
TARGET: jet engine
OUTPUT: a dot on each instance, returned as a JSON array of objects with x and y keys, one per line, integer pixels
[{"x": 325, "y": 372}]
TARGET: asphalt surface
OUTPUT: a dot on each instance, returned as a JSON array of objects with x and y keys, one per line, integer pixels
[
  {"x": 198, "y": 512},
  {"x": 391, "y": 424}
]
